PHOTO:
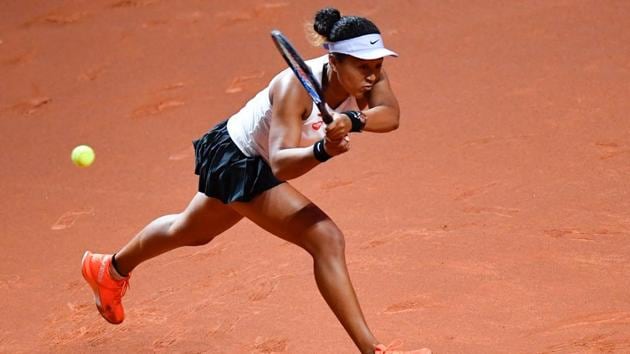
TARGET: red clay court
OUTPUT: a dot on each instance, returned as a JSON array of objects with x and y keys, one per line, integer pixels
[{"x": 495, "y": 220}]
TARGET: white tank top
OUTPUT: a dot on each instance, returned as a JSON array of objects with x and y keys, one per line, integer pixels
[{"x": 249, "y": 128}]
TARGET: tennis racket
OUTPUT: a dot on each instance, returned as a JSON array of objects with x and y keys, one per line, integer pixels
[{"x": 303, "y": 73}]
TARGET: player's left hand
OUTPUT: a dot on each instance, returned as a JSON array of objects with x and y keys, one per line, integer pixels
[{"x": 339, "y": 128}]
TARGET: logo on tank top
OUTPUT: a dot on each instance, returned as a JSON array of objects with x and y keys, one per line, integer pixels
[{"x": 317, "y": 125}]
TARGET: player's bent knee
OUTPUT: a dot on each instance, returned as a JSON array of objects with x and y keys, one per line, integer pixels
[{"x": 329, "y": 241}]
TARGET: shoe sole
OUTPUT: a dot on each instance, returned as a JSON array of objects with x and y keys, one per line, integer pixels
[{"x": 84, "y": 271}]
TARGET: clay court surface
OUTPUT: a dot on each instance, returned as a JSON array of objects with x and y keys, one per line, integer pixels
[{"x": 495, "y": 220}]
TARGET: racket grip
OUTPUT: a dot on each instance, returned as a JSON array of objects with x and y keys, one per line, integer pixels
[{"x": 326, "y": 117}]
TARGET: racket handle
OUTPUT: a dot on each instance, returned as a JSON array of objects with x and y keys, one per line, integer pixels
[{"x": 326, "y": 117}]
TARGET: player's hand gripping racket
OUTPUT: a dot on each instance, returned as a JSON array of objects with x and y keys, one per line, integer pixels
[{"x": 303, "y": 73}]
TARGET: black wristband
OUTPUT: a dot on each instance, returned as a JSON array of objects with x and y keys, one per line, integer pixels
[
  {"x": 358, "y": 120},
  {"x": 319, "y": 152}
]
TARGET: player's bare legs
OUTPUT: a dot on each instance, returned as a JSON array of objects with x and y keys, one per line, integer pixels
[
  {"x": 198, "y": 224},
  {"x": 288, "y": 214}
]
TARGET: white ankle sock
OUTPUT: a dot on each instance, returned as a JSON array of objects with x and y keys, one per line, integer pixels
[{"x": 114, "y": 273}]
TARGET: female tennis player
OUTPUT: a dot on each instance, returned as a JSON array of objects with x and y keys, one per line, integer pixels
[{"x": 244, "y": 162}]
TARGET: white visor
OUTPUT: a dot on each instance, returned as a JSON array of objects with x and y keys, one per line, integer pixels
[{"x": 368, "y": 47}]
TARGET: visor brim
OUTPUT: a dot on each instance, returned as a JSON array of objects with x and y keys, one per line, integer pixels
[{"x": 371, "y": 54}]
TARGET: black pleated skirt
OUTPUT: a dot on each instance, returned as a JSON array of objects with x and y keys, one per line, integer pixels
[{"x": 225, "y": 172}]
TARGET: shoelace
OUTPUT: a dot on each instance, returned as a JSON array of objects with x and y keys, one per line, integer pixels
[
  {"x": 395, "y": 344},
  {"x": 125, "y": 285}
]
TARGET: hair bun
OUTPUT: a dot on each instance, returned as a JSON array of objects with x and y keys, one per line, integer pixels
[{"x": 325, "y": 19}]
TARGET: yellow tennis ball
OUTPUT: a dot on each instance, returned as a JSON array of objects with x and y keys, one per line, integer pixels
[{"x": 82, "y": 156}]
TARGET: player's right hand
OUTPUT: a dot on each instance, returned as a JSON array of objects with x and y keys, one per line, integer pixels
[
  {"x": 337, "y": 147},
  {"x": 339, "y": 128}
]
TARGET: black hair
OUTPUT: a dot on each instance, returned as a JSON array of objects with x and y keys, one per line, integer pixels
[{"x": 333, "y": 27}]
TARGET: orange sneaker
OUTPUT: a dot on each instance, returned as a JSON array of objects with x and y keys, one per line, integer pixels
[
  {"x": 390, "y": 349},
  {"x": 108, "y": 291}
]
